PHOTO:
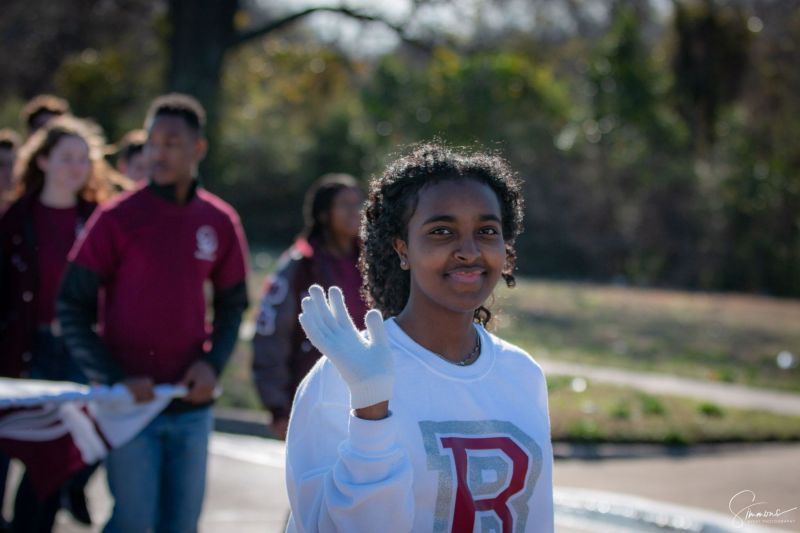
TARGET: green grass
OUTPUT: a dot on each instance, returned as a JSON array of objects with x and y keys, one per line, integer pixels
[
  {"x": 732, "y": 338},
  {"x": 237, "y": 381},
  {"x": 727, "y": 338},
  {"x": 608, "y": 413},
  {"x": 602, "y": 413}
]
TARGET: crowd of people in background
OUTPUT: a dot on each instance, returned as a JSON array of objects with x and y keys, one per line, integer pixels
[
  {"x": 102, "y": 273},
  {"x": 104, "y": 276},
  {"x": 51, "y": 183}
]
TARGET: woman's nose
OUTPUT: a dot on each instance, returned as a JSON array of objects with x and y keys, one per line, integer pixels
[{"x": 467, "y": 249}]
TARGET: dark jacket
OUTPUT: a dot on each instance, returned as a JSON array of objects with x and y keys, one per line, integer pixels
[
  {"x": 282, "y": 355},
  {"x": 18, "y": 282}
]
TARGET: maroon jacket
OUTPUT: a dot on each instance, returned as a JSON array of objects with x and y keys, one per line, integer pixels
[
  {"x": 153, "y": 257},
  {"x": 18, "y": 282},
  {"x": 282, "y": 355}
]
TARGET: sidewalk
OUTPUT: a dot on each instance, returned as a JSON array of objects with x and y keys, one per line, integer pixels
[{"x": 246, "y": 489}]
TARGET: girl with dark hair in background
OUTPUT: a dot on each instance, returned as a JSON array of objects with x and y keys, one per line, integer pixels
[
  {"x": 325, "y": 253},
  {"x": 59, "y": 180},
  {"x": 425, "y": 422}
]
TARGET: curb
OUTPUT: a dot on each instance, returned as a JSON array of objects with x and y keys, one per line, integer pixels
[
  {"x": 242, "y": 422},
  {"x": 598, "y": 452},
  {"x": 256, "y": 424}
]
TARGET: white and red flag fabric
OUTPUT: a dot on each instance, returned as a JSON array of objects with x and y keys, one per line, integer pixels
[{"x": 57, "y": 428}]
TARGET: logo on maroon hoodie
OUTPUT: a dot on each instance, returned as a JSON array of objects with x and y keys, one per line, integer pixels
[{"x": 206, "y": 244}]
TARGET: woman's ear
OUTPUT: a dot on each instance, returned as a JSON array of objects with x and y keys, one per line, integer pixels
[
  {"x": 43, "y": 162},
  {"x": 401, "y": 248}
]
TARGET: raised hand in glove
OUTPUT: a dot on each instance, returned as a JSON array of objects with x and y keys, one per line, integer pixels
[{"x": 365, "y": 363}]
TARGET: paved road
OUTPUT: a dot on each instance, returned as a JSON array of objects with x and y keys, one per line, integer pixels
[
  {"x": 246, "y": 490},
  {"x": 706, "y": 481},
  {"x": 726, "y": 394}
]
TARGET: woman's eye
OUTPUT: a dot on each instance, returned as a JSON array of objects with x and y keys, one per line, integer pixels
[
  {"x": 441, "y": 231},
  {"x": 489, "y": 231}
]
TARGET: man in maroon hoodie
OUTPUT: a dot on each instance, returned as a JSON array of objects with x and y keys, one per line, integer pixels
[{"x": 150, "y": 252}]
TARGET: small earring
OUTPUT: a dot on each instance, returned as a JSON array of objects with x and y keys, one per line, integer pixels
[{"x": 403, "y": 264}]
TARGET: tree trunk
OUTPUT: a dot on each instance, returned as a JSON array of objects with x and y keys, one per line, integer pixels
[{"x": 201, "y": 31}]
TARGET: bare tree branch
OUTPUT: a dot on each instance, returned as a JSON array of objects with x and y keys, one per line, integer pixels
[{"x": 274, "y": 25}]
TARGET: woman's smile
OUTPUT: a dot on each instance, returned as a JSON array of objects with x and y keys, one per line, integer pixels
[{"x": 466, "y": 275}]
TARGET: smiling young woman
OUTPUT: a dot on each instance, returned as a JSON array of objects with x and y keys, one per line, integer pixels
[
  {"x": 454, "y": 242},
  {"x": 425, "y": 422},
  {"x": 60, "y": 178}
]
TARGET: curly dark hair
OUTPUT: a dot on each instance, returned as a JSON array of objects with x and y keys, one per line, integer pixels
[{"x": 393, "y": 199}]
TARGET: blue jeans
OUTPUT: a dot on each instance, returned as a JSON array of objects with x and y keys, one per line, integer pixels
[{"x": 158, "y": 479}]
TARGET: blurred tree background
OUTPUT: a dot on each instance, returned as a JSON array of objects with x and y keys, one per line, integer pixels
[{"x": 658, "y": 140}]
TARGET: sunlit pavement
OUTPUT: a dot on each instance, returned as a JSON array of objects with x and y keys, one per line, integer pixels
[
  {"x": 710, "y": 482},
  {"x": 246, "y": 490}
]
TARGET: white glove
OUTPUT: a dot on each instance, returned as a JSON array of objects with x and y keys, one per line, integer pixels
[{"x": 365, "y": 364}]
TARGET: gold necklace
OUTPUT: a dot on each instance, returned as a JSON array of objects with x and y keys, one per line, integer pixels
[{"x": 468, "y": 359}]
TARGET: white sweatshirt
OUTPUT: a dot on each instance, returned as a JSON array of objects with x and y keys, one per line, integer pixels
[{"x": 466, "y": 448}]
